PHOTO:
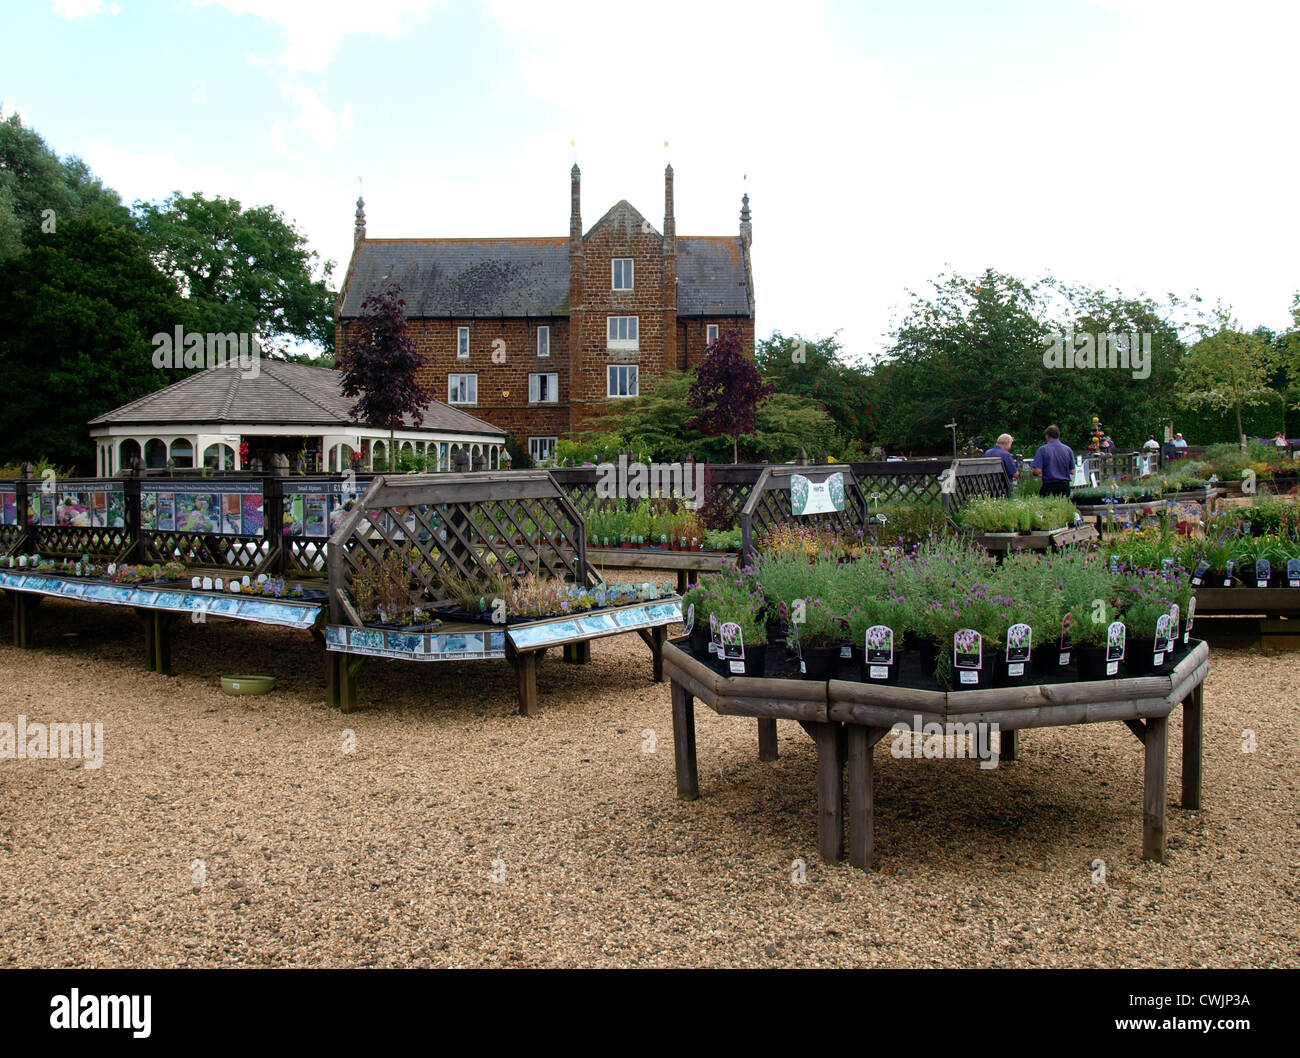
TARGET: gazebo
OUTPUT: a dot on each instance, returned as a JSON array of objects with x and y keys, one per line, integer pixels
[{"x": 288, "y": 414}]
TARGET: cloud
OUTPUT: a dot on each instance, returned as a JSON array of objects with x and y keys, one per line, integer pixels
[
  {"x": 314, "y": 118},
  {"x": 312, "y": 31}
]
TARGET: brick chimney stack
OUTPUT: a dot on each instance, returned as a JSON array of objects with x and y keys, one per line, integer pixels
[{"x": 670, "y": 274}]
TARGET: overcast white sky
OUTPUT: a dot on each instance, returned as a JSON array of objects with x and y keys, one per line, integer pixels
[{"x": 1148, "y": 146}]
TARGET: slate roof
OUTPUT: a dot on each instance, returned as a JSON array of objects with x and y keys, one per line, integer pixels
[
  {"x": 443, "y": 278},
  {"x": 282, "y": 393}
]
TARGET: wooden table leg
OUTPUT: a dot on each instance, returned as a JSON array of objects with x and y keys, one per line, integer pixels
[
  {"x": 1154, "y": 797},
  {"x": 1008, "y": 750},
  {"x": 688, "y": 778},
  {"x": 577, "y": 653},
  {"x": 1193, "y": 743},
  {"x": 830, "y": 791},
  {"x": 349, "y": 667},
  {"x": 766, "y": 738},
  {"x": 332, "y": 678},
  {"x": 658, "y": 635},
  {"x": 861, "y": 796},
  {"x": 526, "y": 669},
  {"x": 682, "y": 582}
]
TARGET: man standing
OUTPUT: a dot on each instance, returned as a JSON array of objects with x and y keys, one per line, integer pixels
[
  {"x": 1054, "y": 463},
  {"x": 1002, "y": 451}
]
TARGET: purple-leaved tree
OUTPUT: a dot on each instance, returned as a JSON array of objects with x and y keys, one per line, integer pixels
[
  {"x": 379, "y": 363},
  {"x": 728, "y": 390}
]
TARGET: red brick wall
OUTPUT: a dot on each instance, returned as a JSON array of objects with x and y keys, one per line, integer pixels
[{"x": 692, "y": 341}]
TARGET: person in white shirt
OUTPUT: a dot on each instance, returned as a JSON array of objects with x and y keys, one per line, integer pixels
[
  {"x": 1152, "y": 445},
  {"x": 1178, "y": 441}
]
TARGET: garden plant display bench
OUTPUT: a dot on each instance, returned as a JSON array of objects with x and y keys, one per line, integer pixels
[
  {"x": 157, "y": 606},
  {"x": 686, "y": 564},
  {"x": 1046, "y": 540},
  {"x": 847, "y": 718}
]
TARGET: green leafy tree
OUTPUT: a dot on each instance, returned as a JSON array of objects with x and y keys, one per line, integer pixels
[
  {"x": 77, "y": 311},
  {"x": 816, "y": 370},
  {"x": 242, "y": 270},
  {"x": 1227, "y": 369}
]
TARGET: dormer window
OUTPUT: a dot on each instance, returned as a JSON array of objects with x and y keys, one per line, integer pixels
[{"x": 622, "y": 270}]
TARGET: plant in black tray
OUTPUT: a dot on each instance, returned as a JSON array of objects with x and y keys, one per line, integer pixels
[
  {"x": 816, "y": 638},
  {"x": 1147, "y": 600},
  {"x": 387, "y": 590}
]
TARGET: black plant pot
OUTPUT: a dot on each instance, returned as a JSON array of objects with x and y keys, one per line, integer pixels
[
  {"x": 755, "y": 661},
  {"x": 1092, "y": 663},
  {"x": 975, "y": 679},
  {"x": 1140, "y": 658},
  {"x": 818, "y": 662},
  {"x": 928, "y": 651},
  {"x": 700, "y": 641},
  {"x": 1009, "y": 674},
  {"x": 885, "y": 674},
  {"x": 775, "y": 630},
  {"x": 1046, "y": 662}
]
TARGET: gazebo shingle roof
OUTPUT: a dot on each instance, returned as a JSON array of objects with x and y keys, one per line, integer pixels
[{"x": 282, "y": 393}]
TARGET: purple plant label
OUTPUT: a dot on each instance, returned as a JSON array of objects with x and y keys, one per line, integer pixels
[
  {"x": 1019, "y": 643},
  {"x": 879, "y": 645},
  {"x": 1115, "y": 636},
  {"x": 1263, "y": 572},
  {"x": 1201, "y": 570},
  {"x": 1164, "y": 636},
  {"x": 1230, "y": 567},
  {"x": 1173, "y": 621},
  {"x": 690, "y": 618},
  {"x": 1191, "y": 616},
  {"x": 715, "y": 640},
  {"x": 1066, "y": 641},
  {"x": 733, "y": 646},
  {"x": 967, "y": 650}
]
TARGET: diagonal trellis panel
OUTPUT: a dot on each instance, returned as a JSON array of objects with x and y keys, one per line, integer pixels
[
  {"x": 769, "y": 503},
  {"x": 975, "y": 478},
  {"x": 472, "y": 526}
]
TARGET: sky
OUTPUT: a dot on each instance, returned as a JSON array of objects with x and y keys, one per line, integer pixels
[{"x": 1142, "y": 145}]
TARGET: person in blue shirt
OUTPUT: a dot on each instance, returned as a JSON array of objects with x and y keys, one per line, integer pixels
[
  {"x": 1002, "y": 451},
  {"x": 1054, "y": 463}
]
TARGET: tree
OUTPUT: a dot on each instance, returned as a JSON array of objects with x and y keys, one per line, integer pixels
[
  {"x": 728, "y": 390},
  {"x": 77, "y": 310},
  {"x": 1227, "y": 369},
  {"x": 816, "y": 370},
  {"x": 379, "y": 365},
  {"x": 244, "y": 270}
]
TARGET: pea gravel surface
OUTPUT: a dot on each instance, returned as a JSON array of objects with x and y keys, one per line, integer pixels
[{"x": 436, "y": 827}]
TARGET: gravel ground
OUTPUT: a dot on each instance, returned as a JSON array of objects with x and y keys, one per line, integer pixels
[{"x": 239, "y": 832}]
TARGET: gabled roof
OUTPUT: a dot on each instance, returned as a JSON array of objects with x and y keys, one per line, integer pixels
[
  {"x": 282, "y": 394},
  {"x": 463, "y": 277}
]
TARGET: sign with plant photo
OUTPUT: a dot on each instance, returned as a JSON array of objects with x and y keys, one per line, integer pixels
[
  {"x": 1174, "y": 614},
  {"x": 690, "y": 619},
  {"x": 968, "y": 654},
  {"x": 1191, "y": 616},
  {"x": 879, "y": 649},
  {"x": 816, "y": 497},
  {"x": 1067, "y": 644},
  {"x": 1198, "y": 576},
  {"x": 1263, "y": 573},
  {"x": 1164, "y": 639},
  {"x": 1229, "y": 570},
  {"x": 715, "y": 640},
  {"x": 1115, "y": 635},
  {"x": 733, "y": 647}
]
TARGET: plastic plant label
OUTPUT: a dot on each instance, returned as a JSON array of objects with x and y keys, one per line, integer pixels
[
  {"x": 1199, "y": 575},
  {"x": 1112, "y": 667},
  {"x": 967, "y": 651},
  {"x": 690, "y": 618},
  {"x": 1115, "y": 636},
  {"x": 846, "y": 651},
  {"x": 1066, "y": 641},
  {"x": 1164, "y": 635},
  {"x": 1191, "y": 616},
  {"x": 1263, "y": 573},
  {"x": 1293, "y": 572},
  {"x": 1019, "y": 643},
  {"x": 1016, "y": 668},
  {"x": 1158, "y": 658},
  {"x": 715, "y": 641},
  {"x": 803, "y": 667},
  {"x": 969, "y": 676},
  {"x": 733, "y": 647},
  {"x": 879, "y": 645},
  {"x": 879, "y": 672},
  {"x": 1228, "y": 570},
  {"x": 1064, "y": 659}
]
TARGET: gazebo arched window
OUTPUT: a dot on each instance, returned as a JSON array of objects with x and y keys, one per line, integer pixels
[
  {"x": 127, "y": 451},
  {"x": 379, "y": 454},
  {"x": 182, "y": 452},
  {"x": 218, "y": 457},
  {"x": 155, "y": 453}
]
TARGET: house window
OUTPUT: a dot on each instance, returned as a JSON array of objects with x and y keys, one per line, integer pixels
[
  {"x": 711, "y": 333},
  {"x": 462, "y": 389},
  {"x": 462, "y": 343},
  {"x": 543, "y": 388},
  {"x": 622, "y": 267},
  {"x": 541, "y": 449},
  {"x": 622, "y": 332},
  {"x": 543, "y": 341},
  {"x": 622, "y": 380}
]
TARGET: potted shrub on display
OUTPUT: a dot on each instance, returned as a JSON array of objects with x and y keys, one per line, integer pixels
[{"x": 816, "y": 640}]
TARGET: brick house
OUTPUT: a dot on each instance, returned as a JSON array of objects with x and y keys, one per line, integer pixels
[{"x": 532, "y": 335}]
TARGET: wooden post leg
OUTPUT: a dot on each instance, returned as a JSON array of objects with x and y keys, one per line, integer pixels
[
  {"x": 25, "y": 619},
  {"x": 577, "y": 653},
  {"x": 162, "y": 642},
  {"x": 682, "y": 582},
  {"x": 526, "y": 668},
  {"x": 1193, "y": 741},
  {"x": 1154, "y": 795},
  {"x": 830, "y": 791},
  {"x": 658, "y": 635},
  {"x": 688, "y": 778},
  {"x": 349, "y": 666},
  {"x": 1008, "y": 751},
  {"x": 332, "y": 678},
  {"x": 150, "y": 647},
  {"x": 766, "y": 738},
  {"x": 862, "y": 797}
]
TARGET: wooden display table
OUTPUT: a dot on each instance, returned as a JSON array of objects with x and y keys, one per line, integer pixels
[
  {"x": 684, "y": 563},
  {"x": 847, "y": 718},
  {"x": 1046, "y": 540}
]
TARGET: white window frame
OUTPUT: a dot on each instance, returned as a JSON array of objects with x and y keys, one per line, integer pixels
[
  {"x": 544, "y": 340},
  {"x": 535, "y": 387},
  {"x": 549, "y": 442},
  {"x": 632, "y": 330},
  {"x": 462, "y": 343},
  {"x": 473, "y": 386},
  {"x": 710, "y": 333},
  {"x": 633, "y": 378},
  {"x": 630, "y": 273}
]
